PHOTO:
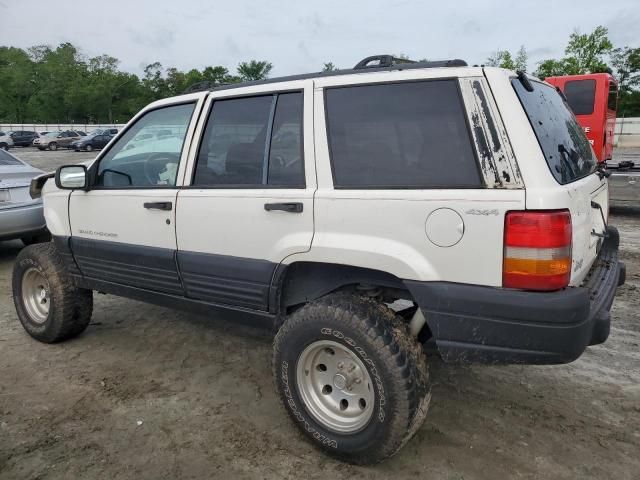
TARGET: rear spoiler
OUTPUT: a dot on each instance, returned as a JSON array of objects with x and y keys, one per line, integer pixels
[{"x": 37, "y": 183}]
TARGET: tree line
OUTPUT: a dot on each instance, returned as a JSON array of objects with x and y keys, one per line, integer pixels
[
  {"x": 49, "y": 85},
  {"x": 587, "y": 53}
]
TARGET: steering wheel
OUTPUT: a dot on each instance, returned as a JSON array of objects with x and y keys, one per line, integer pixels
[{"x": 154, "y": 165}]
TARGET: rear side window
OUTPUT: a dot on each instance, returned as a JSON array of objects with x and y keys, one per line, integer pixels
[
  {"x": 564, "y": 144},
  {"x": 403, "y": 135},
  {"x": 581, "y": 95}
]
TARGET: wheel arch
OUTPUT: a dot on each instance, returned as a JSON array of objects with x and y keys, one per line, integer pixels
[{"x": 303, "y": 281}]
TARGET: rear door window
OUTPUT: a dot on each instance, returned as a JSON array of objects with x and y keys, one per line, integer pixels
[
  {"x": 581, "y": 95},
  {"x": 402, "y": 135},
  {"x": 564, "y": 144},
  {"x": 253, "y": 142}
]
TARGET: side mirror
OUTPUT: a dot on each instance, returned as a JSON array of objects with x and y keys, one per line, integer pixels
[{"x": 70, "y": 177}]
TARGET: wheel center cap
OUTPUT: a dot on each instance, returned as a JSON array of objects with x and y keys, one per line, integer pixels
[{"x": 339, "y": 381}]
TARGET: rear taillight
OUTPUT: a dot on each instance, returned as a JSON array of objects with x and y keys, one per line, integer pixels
[{"x": 537, "y": 250}]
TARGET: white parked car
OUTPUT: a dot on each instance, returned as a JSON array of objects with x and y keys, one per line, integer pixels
[
  {"x": 367, "y": 215},
  {"x": 6, "y": 142}
]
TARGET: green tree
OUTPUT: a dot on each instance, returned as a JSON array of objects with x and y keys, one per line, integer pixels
[
  {"x": 550, "y": 68},
  {"x": 626, "y": 62},
  {"x": 501, "y": 58},
  {"x": 585, "y": 53},
  {"x": 504, "y": 59},
  {"x": 57, "y": 77},
  {"x": 16, "y": 83},
  {"x": 329, "y": 67},
  {"x": 521, "y": 59},
  {"x": 254, "y": 70}
]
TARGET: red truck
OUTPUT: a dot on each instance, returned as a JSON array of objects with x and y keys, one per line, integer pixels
[{"x": 593, "y": 99}]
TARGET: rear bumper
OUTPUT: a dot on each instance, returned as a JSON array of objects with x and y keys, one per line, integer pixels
[
  {"x": 21, "y": 221},
  {"x": 473, "y": 323}
]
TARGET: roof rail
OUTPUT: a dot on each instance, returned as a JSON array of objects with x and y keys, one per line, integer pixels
[
  {"x": 387, "y": 61},
  {"x": 202, "y": 86}
]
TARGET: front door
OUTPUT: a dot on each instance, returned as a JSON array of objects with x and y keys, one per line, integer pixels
[
  {"x": 249, "y": 202},
  {"x": 123, "y": 228}
]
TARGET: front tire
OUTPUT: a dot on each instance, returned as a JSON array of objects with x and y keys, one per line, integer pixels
[
  {"x": 351, "y": 377},
  {"x": 53, "y": 146},
  {"x": 49, "y": 306},
  {"x": 89, "y": 148}
]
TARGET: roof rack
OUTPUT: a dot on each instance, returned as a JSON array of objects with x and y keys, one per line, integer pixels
[
  {"x": 382, "y": 61},
  {"x": 387, "y": 61}
]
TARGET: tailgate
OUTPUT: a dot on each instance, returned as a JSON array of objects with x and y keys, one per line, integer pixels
[{"x": 589, "y": 206}]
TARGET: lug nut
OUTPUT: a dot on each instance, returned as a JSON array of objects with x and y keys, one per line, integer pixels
[{"x": 340, "y": 365}]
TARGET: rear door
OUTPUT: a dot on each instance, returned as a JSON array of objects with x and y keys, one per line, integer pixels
[
  {"x": 123, "y": 228},
  {"x": 248, "y": 203}
]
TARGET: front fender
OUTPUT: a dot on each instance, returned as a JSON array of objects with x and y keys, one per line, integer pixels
[{"x": 56, "y": 208}]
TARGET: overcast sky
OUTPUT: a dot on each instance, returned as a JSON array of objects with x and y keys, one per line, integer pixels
[{"x": 298, "y": 36}]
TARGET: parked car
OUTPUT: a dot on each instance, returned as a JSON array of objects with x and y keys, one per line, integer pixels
[
  {"x": 91, "y": 142},
  {"x": 20, "y": 215},
  {"x": 23, "y": 138},
  {"x": 6, "y": 141},
  {"x": 56, "y": 139},
  {"x": 367, "y": 216},
  {"x": 105, "y": 131}
]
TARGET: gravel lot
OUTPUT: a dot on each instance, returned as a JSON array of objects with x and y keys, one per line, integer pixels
[{"x": 147, "y": 392}]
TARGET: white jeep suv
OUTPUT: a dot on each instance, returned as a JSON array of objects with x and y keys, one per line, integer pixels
[{"x": 367, "y": 215}]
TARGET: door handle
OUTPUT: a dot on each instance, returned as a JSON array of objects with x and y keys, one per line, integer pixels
[
  {"x": 293, "y": 207},
  {"x": 158, "y": 205}
]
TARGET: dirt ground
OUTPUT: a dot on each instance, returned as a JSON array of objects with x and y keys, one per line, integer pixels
[{"x": 151, "y": 393}]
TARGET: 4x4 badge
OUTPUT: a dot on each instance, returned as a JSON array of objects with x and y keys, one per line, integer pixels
[{"x": 475, "y": 211}]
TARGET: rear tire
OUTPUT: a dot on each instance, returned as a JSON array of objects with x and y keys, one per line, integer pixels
[
  {"x": 370, "y": 341},
  {"x": 89, "y": 148},
  {"x": 49, "y": 306},
  {"x": 4, "y": 146}
]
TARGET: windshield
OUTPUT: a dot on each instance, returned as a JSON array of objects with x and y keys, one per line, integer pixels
[
  {"x": 564, "y": 144},
  {"x": 53, "y": 134}
]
